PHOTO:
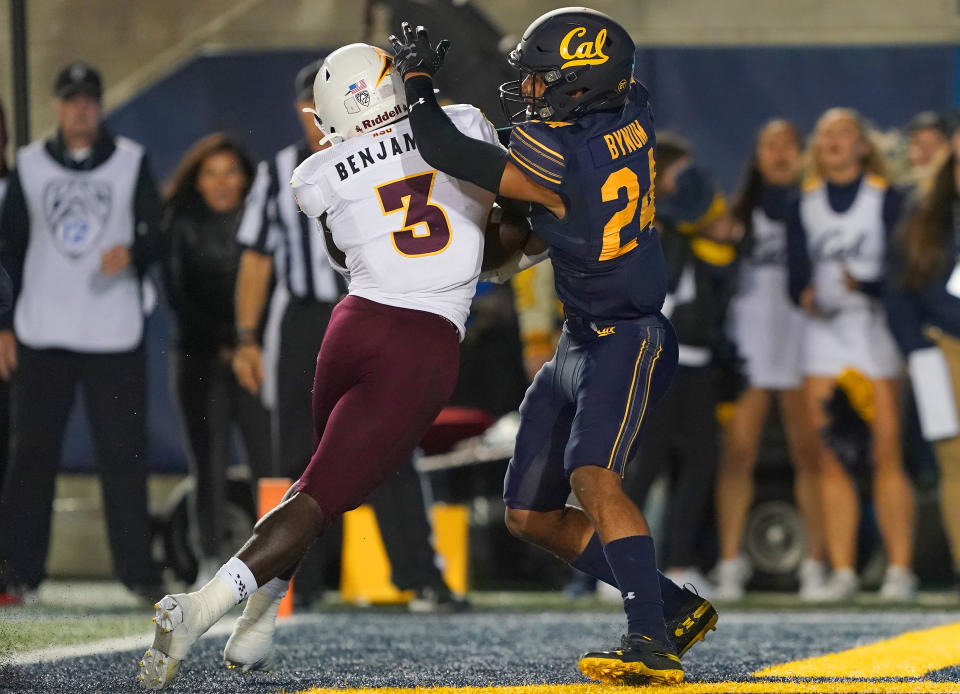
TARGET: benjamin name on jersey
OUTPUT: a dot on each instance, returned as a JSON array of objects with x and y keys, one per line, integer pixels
[{"x": 387, "y": 146}]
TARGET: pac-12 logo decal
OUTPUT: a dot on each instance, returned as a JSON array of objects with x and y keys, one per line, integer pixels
[
  {"x": 587, "y": 52},
  {"x": 77, "y": 213},
  {"x": 357, "y": 97}
]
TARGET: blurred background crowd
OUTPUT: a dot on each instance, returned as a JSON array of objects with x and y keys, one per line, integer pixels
[{"x": 807, "y": 202}]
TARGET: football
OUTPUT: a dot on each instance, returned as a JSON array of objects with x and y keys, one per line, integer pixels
[{"x": 506, "y": 233}]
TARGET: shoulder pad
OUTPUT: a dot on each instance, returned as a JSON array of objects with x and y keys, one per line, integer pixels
[
  {"x": 471, "y": 121},
  {"x": 308, "y": 185},
  {"x": 537, "y": 150}
]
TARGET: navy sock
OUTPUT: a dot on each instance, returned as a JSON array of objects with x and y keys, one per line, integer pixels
[
  {"x": 634, "y": 565},
  {"x": 593, "y": 562},
  {"x": 673, "y": 596}
]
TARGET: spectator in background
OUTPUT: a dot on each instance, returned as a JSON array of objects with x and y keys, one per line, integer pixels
[
  {"x": 78, "y": 227},
  {"x": 680, "y": 438},
  {"x": 768, "y": 331},
  {"x": 926, "y": 142},
  {"x": 203, "y": 206},
  {"x": 923, "y": 306},
  {"x": 836, "y": 237}
]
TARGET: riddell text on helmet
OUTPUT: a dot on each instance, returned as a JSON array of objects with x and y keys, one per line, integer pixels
[{"x": 384, "y": 117}]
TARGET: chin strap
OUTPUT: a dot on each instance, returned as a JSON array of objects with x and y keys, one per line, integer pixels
[{"x": 332, "y": 138}]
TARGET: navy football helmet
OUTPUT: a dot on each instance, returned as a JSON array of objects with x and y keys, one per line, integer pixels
[{"x": 585, "y": 59}]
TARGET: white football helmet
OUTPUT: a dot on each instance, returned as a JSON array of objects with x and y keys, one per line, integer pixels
[{"x": 356, "y": 90}]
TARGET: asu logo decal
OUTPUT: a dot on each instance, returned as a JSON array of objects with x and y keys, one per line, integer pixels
[
  {"x": 77, "y": 213},
  {"x": 587, "y": 53}
]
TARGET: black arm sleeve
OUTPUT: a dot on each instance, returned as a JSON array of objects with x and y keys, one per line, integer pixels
[
  {"x": 446, "y": 148},
  {"x": 14, "y": 236},
  {"x": 149, "y": 243}
]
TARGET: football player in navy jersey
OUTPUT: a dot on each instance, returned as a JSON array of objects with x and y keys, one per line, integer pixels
[{"x": 582, "y": 151}]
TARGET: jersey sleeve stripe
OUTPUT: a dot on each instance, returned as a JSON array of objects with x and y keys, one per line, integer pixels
[
  {"x": 532, "y": 167},
  {"x": 547, "y": 151},
  {"x": 541, "y": 167}
]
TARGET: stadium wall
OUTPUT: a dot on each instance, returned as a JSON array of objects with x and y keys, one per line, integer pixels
[{"x": 716, "y": 97}]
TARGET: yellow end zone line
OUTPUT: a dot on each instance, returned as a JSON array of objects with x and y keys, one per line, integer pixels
[
  {"x": 909, "y": 687},
  {"x": 912, "y": 654}
]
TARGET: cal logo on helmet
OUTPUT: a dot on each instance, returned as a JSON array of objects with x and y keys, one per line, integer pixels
[
  {"x": 587, "y": 52},
  {"x": 584, "y": 58}
]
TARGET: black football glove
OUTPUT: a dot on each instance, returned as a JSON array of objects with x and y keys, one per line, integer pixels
[{"x": 413, "y": 51}]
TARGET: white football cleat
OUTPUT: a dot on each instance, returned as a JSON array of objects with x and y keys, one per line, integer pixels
[
  {"x": 178, "y": 627},
  {"x": 250, "y": 646}
]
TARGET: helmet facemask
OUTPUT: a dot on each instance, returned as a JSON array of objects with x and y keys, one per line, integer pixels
[
  {"x": 532, "y": 107},
  {"x": 562, "y": 98}
]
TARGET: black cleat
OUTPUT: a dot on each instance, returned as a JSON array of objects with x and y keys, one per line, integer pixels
[
  {"x": 640, "y": 660},
  {"x": 691, "y": 623}
]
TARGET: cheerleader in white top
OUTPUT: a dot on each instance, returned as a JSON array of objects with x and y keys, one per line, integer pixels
[
  {"x": 768, "y": 329},
  {"x": 836, "y": 242}
]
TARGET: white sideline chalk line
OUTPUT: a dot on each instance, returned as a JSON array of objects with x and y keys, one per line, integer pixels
[{"x": 125, "y": 643}]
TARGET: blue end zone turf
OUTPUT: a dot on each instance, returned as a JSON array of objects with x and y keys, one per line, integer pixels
[{"x": 388, "y": 649}]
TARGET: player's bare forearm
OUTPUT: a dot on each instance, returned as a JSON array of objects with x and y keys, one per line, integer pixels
[
  {"x": 515, "y": 184},
  {"x": 253, "y": 287}
]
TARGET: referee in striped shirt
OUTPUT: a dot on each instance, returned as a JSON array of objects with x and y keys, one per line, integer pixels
[{"x": 273, "y": 228}]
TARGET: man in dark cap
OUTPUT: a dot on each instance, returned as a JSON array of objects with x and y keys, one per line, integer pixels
[{"x": 78, "y": 228}]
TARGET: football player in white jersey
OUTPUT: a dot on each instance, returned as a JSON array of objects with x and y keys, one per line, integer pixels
[{"x": 410, "y": 241}]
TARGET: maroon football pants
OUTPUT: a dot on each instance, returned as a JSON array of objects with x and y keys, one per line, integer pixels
[{"x": 383, "y": 375}]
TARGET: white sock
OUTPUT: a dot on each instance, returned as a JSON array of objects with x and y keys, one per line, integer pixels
[
  {"x": 236, "y": 575},
  {"x": 275, "y": 587}
]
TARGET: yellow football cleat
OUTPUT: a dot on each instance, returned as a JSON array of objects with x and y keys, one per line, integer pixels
[{"x": 639, "y": 661}]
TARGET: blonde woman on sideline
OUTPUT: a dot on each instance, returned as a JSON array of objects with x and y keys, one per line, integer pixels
[
  {"x": 768, "y": 330},
  {"x": 923, "y": 307},
  {"x": 836, "y": 238}
]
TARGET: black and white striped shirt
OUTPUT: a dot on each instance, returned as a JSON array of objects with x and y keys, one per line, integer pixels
[{"x": 272, "y": 224}]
